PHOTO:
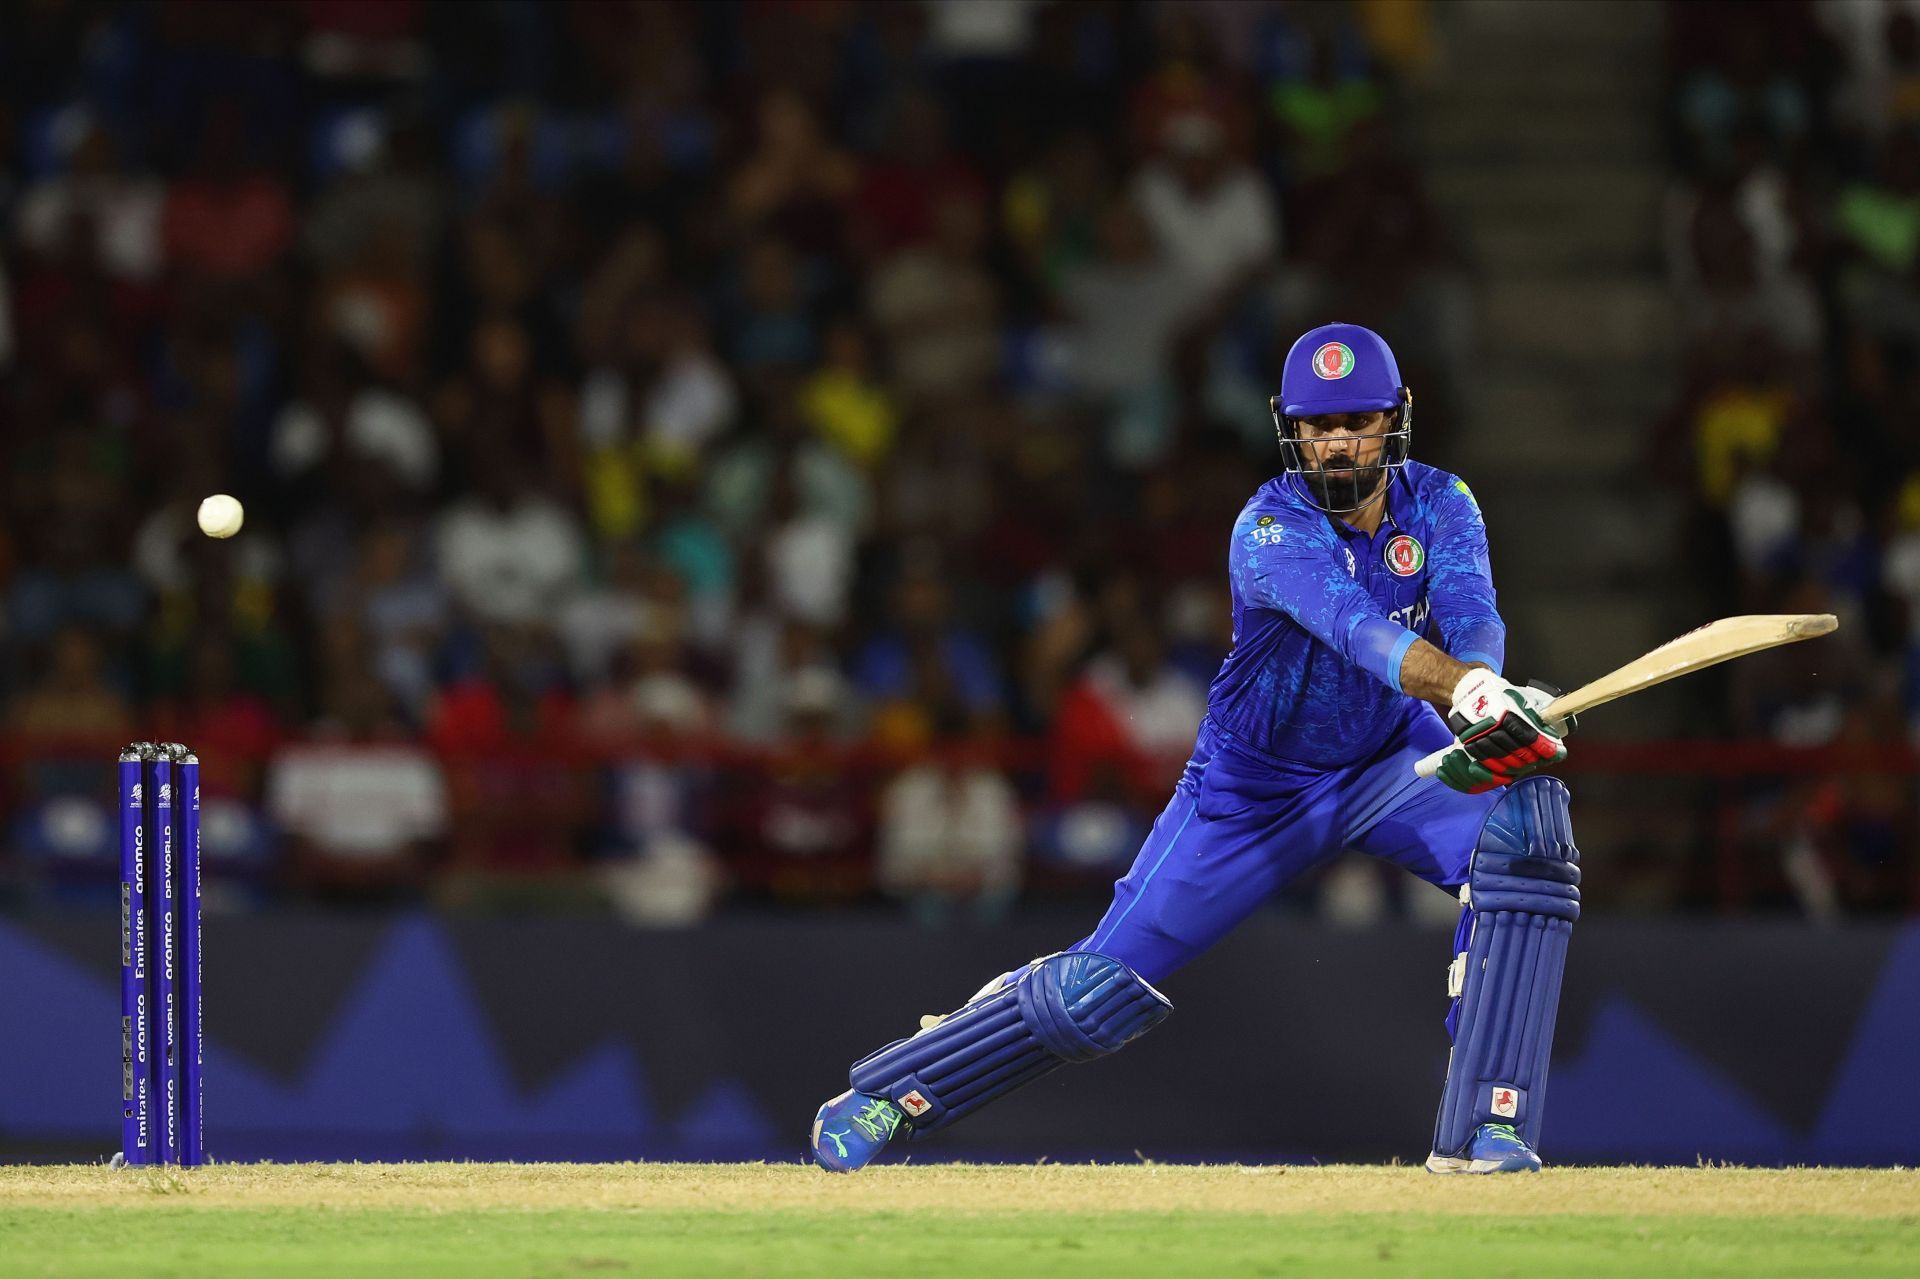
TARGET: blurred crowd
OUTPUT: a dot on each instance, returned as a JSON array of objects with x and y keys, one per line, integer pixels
[
  {"x": 708, "y": 454},
  {"x": 762, "y": 451},
  {"x": 1793, "y": 246},
  {"x": 781, "y": 452}
]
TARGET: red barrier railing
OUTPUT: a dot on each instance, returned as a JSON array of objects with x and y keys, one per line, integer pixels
[
  {"x": 1696, "y": 757},
  {"x": 1754, "y": 822}
]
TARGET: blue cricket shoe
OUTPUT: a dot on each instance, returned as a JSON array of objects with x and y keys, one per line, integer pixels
[
  {"x": 1494, "y": 1148},
  {"x": 851, "y": 1129}
]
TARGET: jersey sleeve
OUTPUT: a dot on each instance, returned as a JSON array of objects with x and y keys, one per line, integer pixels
[
  {"x": 1460, "y": 580},
  {"x": 1302, "y": 573}
]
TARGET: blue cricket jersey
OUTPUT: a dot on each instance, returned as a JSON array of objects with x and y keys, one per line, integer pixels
[{"x": 1322, "y": 614}]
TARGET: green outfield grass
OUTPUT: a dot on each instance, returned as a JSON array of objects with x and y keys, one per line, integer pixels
[{"x": 472, "y": 1220}]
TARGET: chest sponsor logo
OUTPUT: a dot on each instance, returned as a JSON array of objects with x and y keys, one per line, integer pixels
[
  {"x": 1413, "y": 616},
  {"x": 1333, "y": 361},
  {"x": 1353, "y": 568},
  {"x": 1405, "y": 556}
]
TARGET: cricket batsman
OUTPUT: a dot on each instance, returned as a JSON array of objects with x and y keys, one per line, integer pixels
[{"x": 1363, "y": 608}]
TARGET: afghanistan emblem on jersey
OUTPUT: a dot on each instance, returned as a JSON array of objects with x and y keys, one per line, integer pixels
[
  {"x": 1405, "y": 556},
  {"x": 1333, "y": 361}
]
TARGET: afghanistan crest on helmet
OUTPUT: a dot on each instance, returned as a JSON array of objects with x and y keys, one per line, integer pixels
[{"x": 1333, "y": 361}]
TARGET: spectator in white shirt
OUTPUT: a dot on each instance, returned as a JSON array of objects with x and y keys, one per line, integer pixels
[
  {"x": 509, "y": 554},
  {"x": 951, "y": 837},
  {"x": 1212, "y": 215},
  {"x": 374, "y": 425},
  {"x": 362, "y": 805},
  {"x": 668, "y": 390},
  {"x": 119, "y": 210}
]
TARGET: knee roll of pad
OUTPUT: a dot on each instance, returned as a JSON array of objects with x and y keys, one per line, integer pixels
[
  {"x": 1526, "y": 859},
  {"x": 1524, "y": 895},
  {"x": 1069, "y": 1007}
]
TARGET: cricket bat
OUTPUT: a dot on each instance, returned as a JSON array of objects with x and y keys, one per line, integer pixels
[{"x": 1699, "y": 648}]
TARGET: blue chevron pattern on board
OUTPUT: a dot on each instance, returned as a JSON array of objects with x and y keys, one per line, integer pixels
[{"x": 410, "y": 1066}]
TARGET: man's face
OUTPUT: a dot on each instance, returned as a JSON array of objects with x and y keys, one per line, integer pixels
[{"x": 1342, "y": 455}]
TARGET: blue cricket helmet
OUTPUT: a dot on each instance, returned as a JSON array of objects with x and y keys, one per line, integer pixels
[
  {"x": 1343, "y": 368},
  {"x": 1339, "y": 368}
]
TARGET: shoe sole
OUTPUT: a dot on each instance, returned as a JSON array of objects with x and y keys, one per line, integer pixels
[{"x": 1452, "y": 1163}]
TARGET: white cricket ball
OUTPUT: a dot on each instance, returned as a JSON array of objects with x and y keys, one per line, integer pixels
[{"x": 221, "y": 516}]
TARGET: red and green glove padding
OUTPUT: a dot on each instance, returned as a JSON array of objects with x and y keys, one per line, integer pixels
[{"x": 1502, "y": 732}]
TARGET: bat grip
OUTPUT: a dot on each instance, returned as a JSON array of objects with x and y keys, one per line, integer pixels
[{"x": 1428, "y": 765}]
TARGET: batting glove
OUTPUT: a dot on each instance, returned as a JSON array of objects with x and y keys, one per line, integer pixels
[{"x": 1501, "y": 732}]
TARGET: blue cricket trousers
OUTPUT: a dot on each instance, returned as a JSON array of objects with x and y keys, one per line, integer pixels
[{"x": 1241, "y": 826}]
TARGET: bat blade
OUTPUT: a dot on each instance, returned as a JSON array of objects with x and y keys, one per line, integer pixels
[{"x": 1704, "y": 646}]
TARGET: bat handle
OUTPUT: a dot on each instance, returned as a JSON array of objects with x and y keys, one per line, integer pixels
[{"x": 1556, "y": 711}]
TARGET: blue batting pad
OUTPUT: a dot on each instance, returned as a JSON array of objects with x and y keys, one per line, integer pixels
[
  {"x": 1524, "y": 895},
  {"x": 1067, "y": 1007}
]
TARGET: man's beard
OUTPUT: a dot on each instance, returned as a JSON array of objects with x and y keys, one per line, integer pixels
[{"x": 1346, "y": 490}]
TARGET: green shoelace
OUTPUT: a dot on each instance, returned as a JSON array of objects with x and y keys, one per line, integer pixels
[{"x": 877, "y": 1120}]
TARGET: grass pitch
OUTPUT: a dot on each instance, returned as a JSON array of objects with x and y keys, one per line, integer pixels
[{"x": 472, "y": 1220}]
